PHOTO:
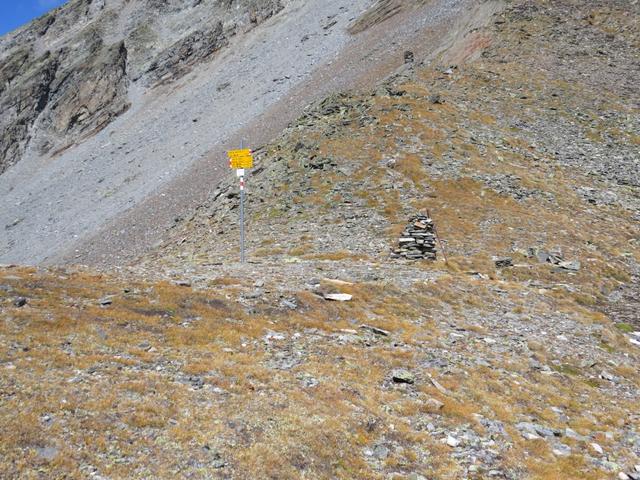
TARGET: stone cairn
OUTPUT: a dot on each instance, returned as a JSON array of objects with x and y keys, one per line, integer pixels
[{"x": 418, "y": 241}]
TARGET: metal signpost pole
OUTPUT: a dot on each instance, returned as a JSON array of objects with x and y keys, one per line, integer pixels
[
  {"x": 241, "y": 174},
  {"x": 241, "y": 215},
  {"x": 241, "y": 160}
]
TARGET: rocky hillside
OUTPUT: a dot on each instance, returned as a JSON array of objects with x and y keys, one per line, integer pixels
[
  {"x": 108, "y": 188},
  {"x": 513, "y": 356},
  {"x": 69, "y": 73},
  {"x": 507, "y": 151}
]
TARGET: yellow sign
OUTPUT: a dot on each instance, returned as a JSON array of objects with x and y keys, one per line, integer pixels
[
  {"x": 241, "y": 163},
  {"x": 245, "y": 152},
  {"x": 240, "y": 158}
]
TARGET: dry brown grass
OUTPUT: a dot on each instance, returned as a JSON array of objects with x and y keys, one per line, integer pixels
[{"x": 130, "y": 378}]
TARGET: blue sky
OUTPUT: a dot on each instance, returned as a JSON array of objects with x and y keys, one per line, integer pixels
[{"x": 14, "y": 13}]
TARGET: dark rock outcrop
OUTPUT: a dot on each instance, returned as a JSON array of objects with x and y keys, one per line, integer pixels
[
  {"x": 89, "y": 97},
  {"x": 25, "y": 86},
  {"x": 178, "y": 59}
]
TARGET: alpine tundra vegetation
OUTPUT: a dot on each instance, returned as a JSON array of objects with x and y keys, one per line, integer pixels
[{"x": 442, "y": 240}]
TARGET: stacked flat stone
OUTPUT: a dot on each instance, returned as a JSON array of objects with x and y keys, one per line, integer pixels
[{"x": 418, "y": 241}]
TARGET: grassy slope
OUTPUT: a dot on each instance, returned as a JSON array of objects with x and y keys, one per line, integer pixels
[{"x": 167, "y": 379}]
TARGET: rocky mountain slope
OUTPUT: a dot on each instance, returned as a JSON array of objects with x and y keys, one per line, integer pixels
[
  {"x": 505, "y": 159},
  {"x": 67, "y": 75},
  {"x": 111, "y": 194},
  {"x": 513, "y": 356}
]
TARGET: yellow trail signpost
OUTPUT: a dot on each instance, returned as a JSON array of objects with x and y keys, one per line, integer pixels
[{"x": 239, "y": 160}]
